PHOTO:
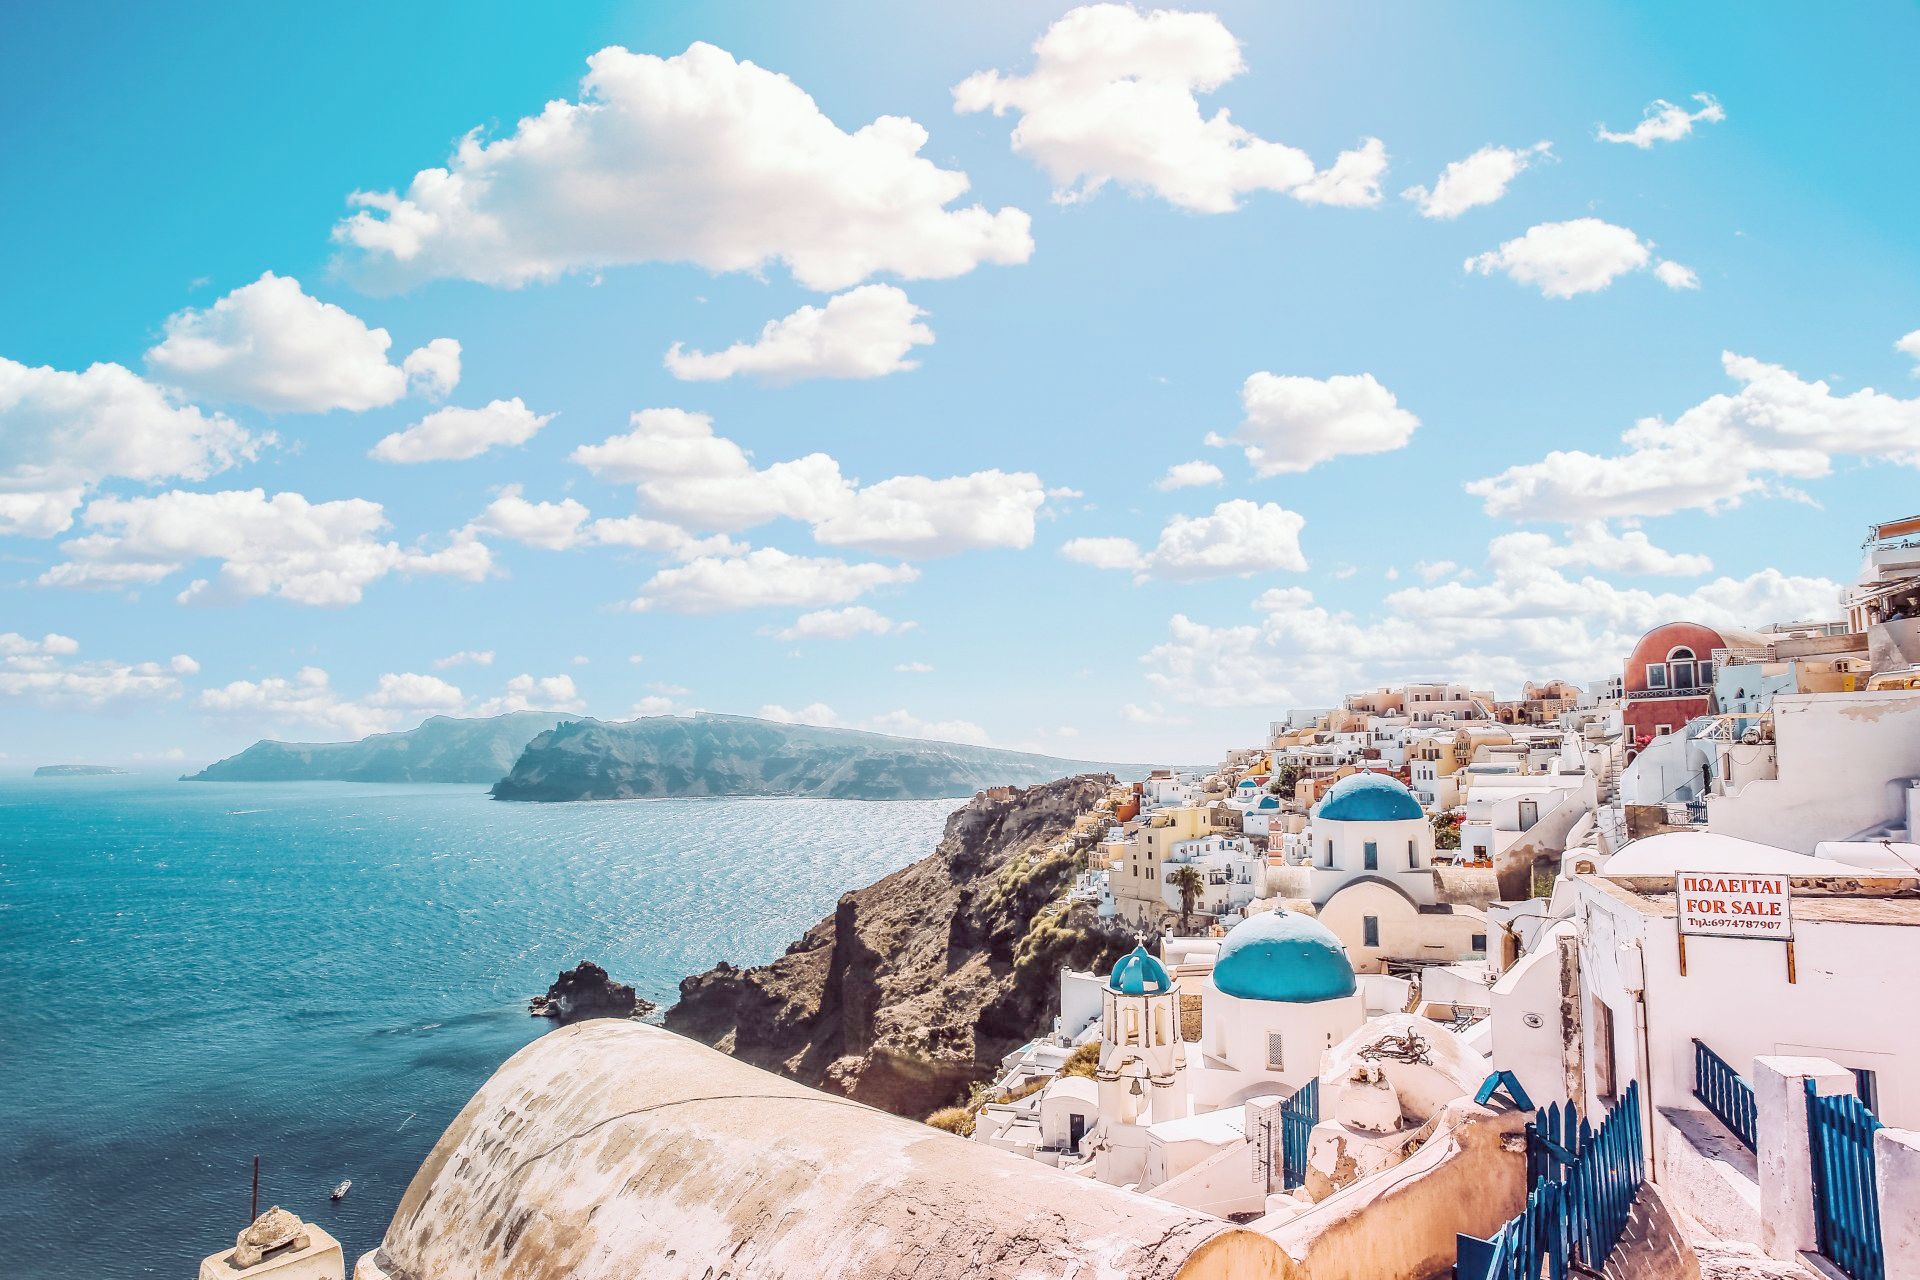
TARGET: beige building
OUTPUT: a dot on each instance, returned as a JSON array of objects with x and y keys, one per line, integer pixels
[{"x": 1135, "y": 878}]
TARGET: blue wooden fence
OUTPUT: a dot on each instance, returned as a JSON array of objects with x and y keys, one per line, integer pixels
[
  {"x": 1846, "y": 1193},
  {"x": 1584, "y": 1183},
  {"x": 1298, "y": 1115},
  {"x": 1726, "y": 1094}
]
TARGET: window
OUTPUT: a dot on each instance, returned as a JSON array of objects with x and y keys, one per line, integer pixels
[
  {"x": 1369, "y": 931},
  {"x": 1478, "y": 945},
  {"x": 1662, "y": 730},
  {"x": 1133, "y": 1026},
  {"x": 1136, "y": 868},
  {"x": 1603, "y": 1065},
  {"x": 1276, "y": 1059},
  {"x": 1867, "y": 1086},
  {"x": 1373, "y": 856},
  {"x": 1656, "y": 675},
  {"x": 1329, "y": 852},
  {"x": 1413, "y": 855}
]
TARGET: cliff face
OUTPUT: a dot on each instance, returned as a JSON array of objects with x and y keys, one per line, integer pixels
[
  {"x": 917, "y": 985},
  {"x": 443, "y": 749},
  {"x": 714, "y": 755}
]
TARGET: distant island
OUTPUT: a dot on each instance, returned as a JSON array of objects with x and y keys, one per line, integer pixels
[
  {"x": 77, "y": 771},
  {"x": 444, "y": 749},
  {"x": 716, "y": 755}
]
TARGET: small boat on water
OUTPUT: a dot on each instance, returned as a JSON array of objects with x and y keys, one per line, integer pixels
[{"x": 340, "y": 1192}]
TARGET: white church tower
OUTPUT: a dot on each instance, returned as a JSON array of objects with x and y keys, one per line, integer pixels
[{"x": 1142, "y": 1072}]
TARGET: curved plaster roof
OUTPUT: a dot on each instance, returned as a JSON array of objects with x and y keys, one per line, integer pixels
[
  {"x": 616, "y": 1151},
  {"x": 1283, "y": 955},
  {"x": 1676, "y": 851},
  {"x": 1368, "y": 797}
]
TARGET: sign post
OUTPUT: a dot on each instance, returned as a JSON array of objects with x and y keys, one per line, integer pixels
[{"x": 1734, "y": 904}]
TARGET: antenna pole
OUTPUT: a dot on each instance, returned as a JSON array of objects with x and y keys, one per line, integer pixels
[{"x": 253, "y": 1206}]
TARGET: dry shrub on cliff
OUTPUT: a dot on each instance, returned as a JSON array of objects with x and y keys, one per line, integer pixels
[
  {"x": 956, "y": 1120},
  {"x": 1083, "y": 1061}
]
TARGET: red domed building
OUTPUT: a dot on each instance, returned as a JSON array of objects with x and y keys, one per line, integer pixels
[{"x": 1669, "y": 677}]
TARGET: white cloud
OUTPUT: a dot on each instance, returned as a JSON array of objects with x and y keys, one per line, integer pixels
[
  {"x": 1675, "y": 276},
  {"x": 1715, "y": 454},
  {"x": 900, "y": 723},
  {"x": 1293, "y": 424},
  {"x": 913, "y": 668},
  {"x": 182, "y": 664},
  {"x": 1909, "y": 345},
  {"x": 1189, "y": 475},
  {"x": 478, "y": 657},
  {"x": 687, "y": 474},
  {"x": 696, "y": 158},
  {"x": 765, "y": 578},
  {"x": 1112, "y": 98},
  {"x": 270, "y": 345},
  {"x": 1667, "y": 122},
  {"x": 1434, "y": 570},
  {"x": 1562, "y": 259},
  {"x": 864, "y": 333},
  {"x": 309, "y": 552},
  {"x": 309, "y": 701},
  {"x": 534, "y": 693},
  {"x": 654, "y": 704},
  {"x": 557, "y": 526},
  {"x": 842, "y": 624},
  {"x": 453, "y": 434},
  {"x": 1480, "y": 179},
  {"x": 62, "y": 432},
  {"x": 433, "y": 371},
  {"x": 46, "y": 672},
  {"x": 1238, "y": 539}
]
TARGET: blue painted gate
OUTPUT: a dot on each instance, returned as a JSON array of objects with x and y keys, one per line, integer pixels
[
  {"x": 1298, "y": 1115},
  {"x": 1846, "y": 1194}
]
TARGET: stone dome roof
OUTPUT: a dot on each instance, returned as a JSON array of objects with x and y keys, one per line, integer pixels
[
  {"x": 1369, "y": 797},
  {"x": 1138, "y": 974},
  {"x": 1283, "y": 955}
]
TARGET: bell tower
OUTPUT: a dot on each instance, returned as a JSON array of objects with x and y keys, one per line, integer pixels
[{"x": 1142, "y": 1073}]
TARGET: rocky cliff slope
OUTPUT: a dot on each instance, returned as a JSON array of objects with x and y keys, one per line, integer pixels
[
  {"x": 715, "y": 755},
  {"x": 918, "y": 984},
  {"x": 444, "y": 749}
]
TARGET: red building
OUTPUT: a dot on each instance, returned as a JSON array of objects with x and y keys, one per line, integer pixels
[{"x": 1668, "y": 678}]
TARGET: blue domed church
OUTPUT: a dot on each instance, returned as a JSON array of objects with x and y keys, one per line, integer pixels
[{"x": 1370, "y": 827}]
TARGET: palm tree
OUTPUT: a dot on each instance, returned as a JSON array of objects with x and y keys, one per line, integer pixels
[{"x": 1187, "y": 880}]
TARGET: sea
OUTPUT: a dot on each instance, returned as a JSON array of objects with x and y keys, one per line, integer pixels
[{"x": 321, "y": 974}]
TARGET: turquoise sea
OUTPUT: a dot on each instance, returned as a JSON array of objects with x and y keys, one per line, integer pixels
[{"x": 323, "y": 973}]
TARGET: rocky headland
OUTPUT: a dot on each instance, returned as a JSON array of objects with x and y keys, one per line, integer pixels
[
  {"x": 717, "y": 755},
  {"x": 78, "y": 771},
  {"x": 442, "y": 749},
  {"x": 917, "y": 985}
]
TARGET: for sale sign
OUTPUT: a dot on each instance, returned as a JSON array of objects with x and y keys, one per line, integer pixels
[{"x": 1725, "y": 904}]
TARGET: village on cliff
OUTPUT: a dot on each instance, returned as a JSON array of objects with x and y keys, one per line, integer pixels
[{"x": 1610, "y": 978}]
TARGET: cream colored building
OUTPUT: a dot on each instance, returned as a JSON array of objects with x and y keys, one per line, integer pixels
[{"x": 1135, "y": 880}]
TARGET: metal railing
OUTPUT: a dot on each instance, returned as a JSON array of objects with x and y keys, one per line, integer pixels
[
  {"x": 1584, "y": 1184},
  {"x": 1725, "y": 1093},
  {"x": 1846, "y": 1192}
]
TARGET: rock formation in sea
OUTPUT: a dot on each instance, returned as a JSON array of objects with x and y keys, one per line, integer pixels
[
  {"x": 716, "y": 755},
  {"x": 77, "y": 771},
  {"x": 587, "y": 991},
  {"x": 443, "y": 749},
  {"x": 917, "y": 985}
]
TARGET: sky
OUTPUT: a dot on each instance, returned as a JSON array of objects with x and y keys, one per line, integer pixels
[{"x": 1096, "y": 380}]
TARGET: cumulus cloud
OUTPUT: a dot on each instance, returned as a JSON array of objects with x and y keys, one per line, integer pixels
[
  {"x": 308, "y": 700},
  {"x": 478, "y": 657},
  {"x": 270, "y": 345},
  {"x": 1675, "y": 276},
  {"x": 1480, "y": 179},
  {"x": 864, "y": 333},
  {"x": 687, "y": 474},
  {"x": 1666, "y": 121},
  {"x": 842, "y": 624},
  {"x": 62, "y": 432},
  {"x": 453, "y": 435},
  {"x": 900, "y": 723},
  {"x": 696, "y": 158},
  {"x": 765, "y": 578},
  {"x": 1563, "y": 259},
  {"x": 1112, "y": 98},
  {"x": 534, "y": 693},
  {"x": 1238, "y": 539},
  {"x": 557, "y": 526},
  {"x": 1189, "y": 475},
  {"x": 1714, "y": 455},
  {"x": 322, "y": 553},
  {"x": 47, "y": 672},
  {"x": 1293, "y": 424}
]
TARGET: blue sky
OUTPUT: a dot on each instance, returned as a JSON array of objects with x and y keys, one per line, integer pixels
[{"x": 1141, "y": 277}]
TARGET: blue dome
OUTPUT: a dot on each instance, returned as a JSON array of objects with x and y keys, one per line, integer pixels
[
  {"x": 1268, "y": 802},
  {"x": 1283, "y": 955},
  {"x": 1369, "y": 797},
  {"x": 1139, "y": 974}
]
